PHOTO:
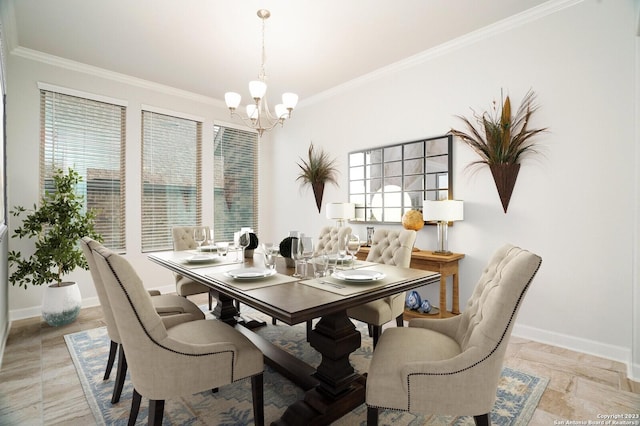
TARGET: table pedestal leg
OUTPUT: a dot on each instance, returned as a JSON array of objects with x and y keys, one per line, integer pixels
[
  {"x": 225, "y": 310},
  {"x": 341, "y": 389}
]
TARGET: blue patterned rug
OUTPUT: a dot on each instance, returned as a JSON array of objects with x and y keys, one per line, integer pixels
[{"x": 518, "y": 393}]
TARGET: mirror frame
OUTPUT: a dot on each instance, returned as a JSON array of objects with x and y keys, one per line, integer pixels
[{"x": 387, "y": 181}]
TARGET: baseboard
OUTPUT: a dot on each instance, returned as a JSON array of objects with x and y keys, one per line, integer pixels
[
  {"x": 3, "y": 342},
  {"x": 578, "y": 344}
]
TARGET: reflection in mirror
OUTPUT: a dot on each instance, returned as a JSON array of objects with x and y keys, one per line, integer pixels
[{"x": 385, "y": 182}]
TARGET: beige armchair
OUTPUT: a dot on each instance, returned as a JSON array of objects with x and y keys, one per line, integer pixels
[
  {"x": 392, "y": 248},
  {"x": 183, "y": 240},
  {"x": 173, "y": 310},
  {"x": 182, "y": 360},
  {"x": 452, "y": 366}
]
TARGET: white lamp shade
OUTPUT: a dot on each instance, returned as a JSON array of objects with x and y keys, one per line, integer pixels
[
  {"x": 290, "y": 100},
  {"x": 252, "y": 111},
  {"x": 257, "y": 89},
  {"x": 232, "y": 99},
  {"x": 344, "y": 211},
  {"x": 443, "y": 211},
  {"x": 281, "y": 111}
]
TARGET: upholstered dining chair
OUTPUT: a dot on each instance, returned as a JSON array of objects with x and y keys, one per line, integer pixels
[
  {"x": 452, "y": 366},
  {"x": 187, "y": 358},
  {"x": 329, "y": 237},
  {"x": 392, "y": 248},
  {"x": 173, "y": 310},
  {"x": 183, "y": 240}
]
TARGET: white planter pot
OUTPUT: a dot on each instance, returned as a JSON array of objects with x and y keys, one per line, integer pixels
[{"x": 61, "y": 305}]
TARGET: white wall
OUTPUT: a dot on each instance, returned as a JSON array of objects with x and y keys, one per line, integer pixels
[{"x": 574, "y": 205}]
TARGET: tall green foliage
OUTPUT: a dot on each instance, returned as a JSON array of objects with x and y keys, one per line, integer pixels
[
  {"x": 500, "y": 137},
  {"x": 56, "y": 225}
]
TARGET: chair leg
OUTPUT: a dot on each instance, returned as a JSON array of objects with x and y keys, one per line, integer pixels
[
  {"x": 274, "y": 321},
  {"x": 135, "y": 408},
  {"x": 400, "y": 320},
  {"x": 482, "y": 420},
  {"x": 372, "y": 416},
  {"x": 309, "y": 329},
  {"x": 113, "y": 349},
  {"x": 120, "y": 376},
  {"x": 377, "y": 332},
  {"x": 257, "y": 393},
  {"x": 156, "y": 411},
  {"x": 210, "y": 300},
  {"x": 237, "y": 303},
  {"x": 370, "y": 327}
]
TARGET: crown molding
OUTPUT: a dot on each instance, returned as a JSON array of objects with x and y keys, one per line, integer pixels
[
  {"x": 57, "y": 61},
  {"x": 507, "y": 24}
]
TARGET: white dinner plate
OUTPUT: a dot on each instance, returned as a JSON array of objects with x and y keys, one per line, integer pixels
[
  {"x": 336, "y": 258},
  {"x": 359, "y": 275},
  {"x": 250, "y": 273},
  {"x": 201, "y": 258}
]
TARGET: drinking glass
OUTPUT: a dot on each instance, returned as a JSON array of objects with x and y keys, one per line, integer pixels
[
  {"x": 353, "y": 246},
  {"x": 243, "y": 241},
  {"x": 199, "y": 235},
  {"x": 223, "y": 248},
  {"x": 332, "y": 263},
  {"x": 236, "y": 244},
  {"x": 342, "y": 251},
  {"x": 320, "y": 265},
  {"x": 296, "y": 255},
  {"x": 270, "y": 254},
  {"x": 307, "y": 252}
]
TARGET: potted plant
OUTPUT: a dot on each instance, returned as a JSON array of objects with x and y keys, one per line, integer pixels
[
  {"x": 316, "y": 171},
  {"x": 56, "y": 225},
  {"x": 502, "y": 140}
]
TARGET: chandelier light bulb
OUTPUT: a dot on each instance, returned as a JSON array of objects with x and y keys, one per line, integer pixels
[
  {"x": 252, "y": 112},
  {"x": 281, "y": 112},
  {"x": 232, "y": 99}
]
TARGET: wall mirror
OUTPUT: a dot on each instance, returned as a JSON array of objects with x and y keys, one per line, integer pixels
[{"x": 387, "y": 181}]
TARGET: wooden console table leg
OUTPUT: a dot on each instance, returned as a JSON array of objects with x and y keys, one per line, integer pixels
[
  {"x": 455, "y": 307},
  {"x": 341, "y": 389},
  {"x": 443, "y": 295}
]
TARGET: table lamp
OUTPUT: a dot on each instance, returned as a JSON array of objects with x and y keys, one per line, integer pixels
[
  {"x": 341, "y": 212},
  {"x": 443, "y": 212}
]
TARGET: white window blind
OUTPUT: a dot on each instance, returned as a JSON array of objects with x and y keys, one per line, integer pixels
[
  {"x": 88, "y": 136},
  {"x": 171, "y": 176},
  {"x": 235, "y": 181}
]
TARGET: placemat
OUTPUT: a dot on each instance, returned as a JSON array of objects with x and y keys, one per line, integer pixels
[{"x": 252, "y": 284}]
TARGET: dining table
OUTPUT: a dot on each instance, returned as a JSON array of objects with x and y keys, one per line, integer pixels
[{"x": 334, "y": 387}]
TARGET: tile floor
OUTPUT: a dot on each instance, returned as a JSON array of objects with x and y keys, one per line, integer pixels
[{"x": 39, "y": 385}]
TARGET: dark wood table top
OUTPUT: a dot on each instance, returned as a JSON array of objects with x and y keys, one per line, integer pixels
[{"x": 293, "y": 302}]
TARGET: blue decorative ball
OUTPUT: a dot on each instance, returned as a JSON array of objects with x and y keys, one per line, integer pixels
[
  {"x": 413, "y": 300},
  {"x": 425, "y": 307}
]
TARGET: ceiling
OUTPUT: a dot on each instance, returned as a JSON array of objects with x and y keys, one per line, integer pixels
[{"x": 209, "y": 47}]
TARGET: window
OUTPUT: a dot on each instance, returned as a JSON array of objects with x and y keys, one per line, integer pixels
[
  {"x": 88, "y": 136},
  {"x": 235, "y": 181},
  {"x": 385, "y": 182},
  {"x": 171, "y": 176}
]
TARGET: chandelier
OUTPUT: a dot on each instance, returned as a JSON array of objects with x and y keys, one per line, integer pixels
[{"x": 258, "y": 115}]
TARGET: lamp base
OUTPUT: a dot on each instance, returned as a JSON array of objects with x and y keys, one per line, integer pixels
[{"x": 442, "y": 253}]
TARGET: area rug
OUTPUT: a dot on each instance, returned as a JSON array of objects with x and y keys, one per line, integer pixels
[{"x": 518, "y": 393}]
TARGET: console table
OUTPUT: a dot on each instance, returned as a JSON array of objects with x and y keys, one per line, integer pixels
[{"x": 446, "y": 265}]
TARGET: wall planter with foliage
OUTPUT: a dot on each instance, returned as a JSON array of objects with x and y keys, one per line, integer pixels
[
  {"x": 502, "y": 140},
  {"x": 316, "y": 171}
]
